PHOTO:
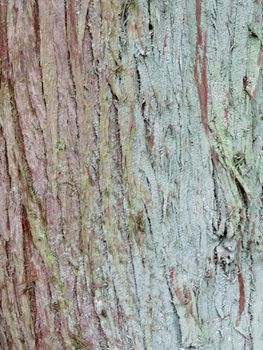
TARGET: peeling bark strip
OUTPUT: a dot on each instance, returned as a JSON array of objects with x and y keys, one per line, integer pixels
[
  {"x": 241, "y": 286},
  {"x": 241, "y": 295},
  {"x": 200, "y": 74},
  {"x": 30, "y": 278},
  {"x": 4, "y": 64},
  {"x": 120, "y": 226}
]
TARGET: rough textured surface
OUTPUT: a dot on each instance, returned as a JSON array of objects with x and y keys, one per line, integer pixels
[{"x": 131, "y": 138}]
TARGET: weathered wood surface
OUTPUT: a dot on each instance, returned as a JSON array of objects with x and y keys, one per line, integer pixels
[{"x": 131, "y": 137}]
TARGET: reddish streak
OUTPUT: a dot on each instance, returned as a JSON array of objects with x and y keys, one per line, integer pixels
[
  {"x": 241, "y": 294},
  {"x": 165, "y": 43},
  {"x": 72, "y": 33},
  {"x": 200, "y": 64},
  {"x": 198, "y": 20},
  {"x": 172, "y": 275}
]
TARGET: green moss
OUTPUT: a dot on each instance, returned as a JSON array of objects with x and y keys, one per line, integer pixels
[
  {"x": 133, "y": 5},
  {"x": 60, "y": 146}
]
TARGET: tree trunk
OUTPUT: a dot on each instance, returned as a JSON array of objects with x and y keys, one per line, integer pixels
[{"x": 131, "y": 138}]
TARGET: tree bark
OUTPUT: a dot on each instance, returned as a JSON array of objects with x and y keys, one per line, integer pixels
[{"x": 131, "y": 138}]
